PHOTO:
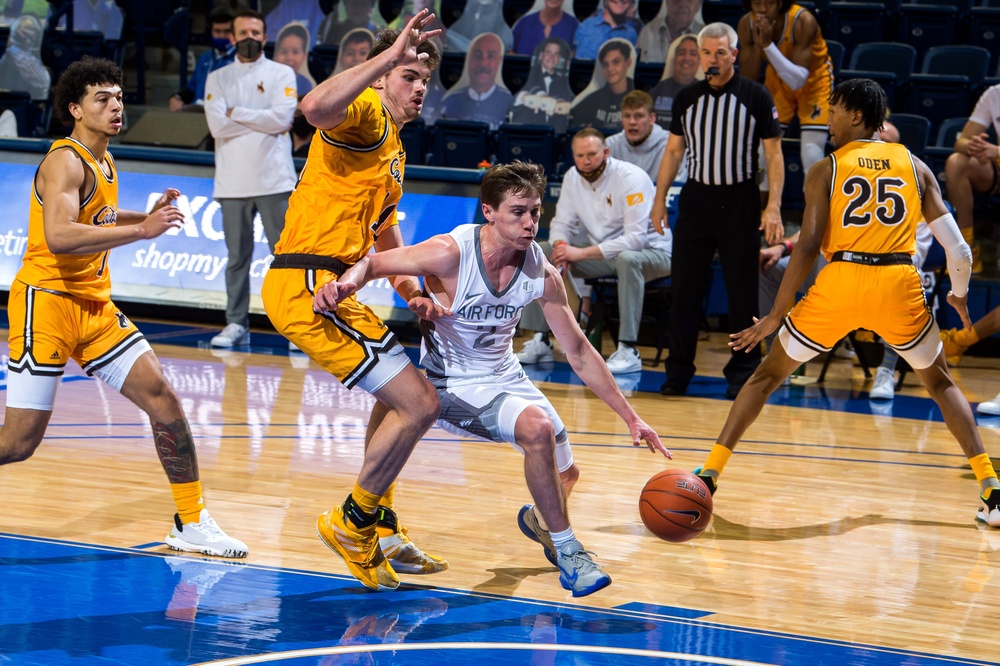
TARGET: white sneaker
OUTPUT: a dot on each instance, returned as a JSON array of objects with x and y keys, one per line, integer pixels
[
  {"x": 625, "y": 359},
  {"x": 883, "y": 387},
  {"x": 991, "y": 407},
  {"x": 233, "y": 335},
  {"x": 536, "y": 350},
  {"x": 204, "y": 537}
]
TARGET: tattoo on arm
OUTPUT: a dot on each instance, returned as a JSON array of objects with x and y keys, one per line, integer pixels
[{"x": 175, "y": 447}]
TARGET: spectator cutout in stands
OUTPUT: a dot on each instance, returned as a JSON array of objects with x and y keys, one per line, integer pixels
[
  {"x": 681, "y": 69},
  {"x": 354, "y": 49},
  {"x": 599, "y": 104},
  {"x": 675, "y": 18},
  {"x": 546, "y": 19},
  {"x": 346, "y": 16},
  {"x": 410, "y": 9},
  {"x": 292, "y": 49},
  {"x": 613, "y": 19},
  {"x": 222, "y": 52},
  {"x": 102, "y": 16},
  {"x": 546, "y": 96},
  {"x": 479, "y": 17},
  {"x": 21, "y": 66},
  {"x": 306, "y": 12},
  {"x": 480, "y": 93}
]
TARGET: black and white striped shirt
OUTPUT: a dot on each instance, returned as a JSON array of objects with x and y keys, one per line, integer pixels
[{"x": 723, "y": 128}]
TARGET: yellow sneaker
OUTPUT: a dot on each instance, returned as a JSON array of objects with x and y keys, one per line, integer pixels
[
  {"x": 955, "y": 342},
  {"x": 359, "y": 548},
  {"x": 403, "y": 554}
]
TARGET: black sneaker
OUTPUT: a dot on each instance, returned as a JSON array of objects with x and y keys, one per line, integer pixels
[
  {"x": 668, "y": 389},
  {"x": 710, "y": 481}
]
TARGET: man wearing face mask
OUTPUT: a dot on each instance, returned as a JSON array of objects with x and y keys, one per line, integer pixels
[
  {"x": 192, "y": 97},
  {"x": 602, "y": 227},
  {"x": 249, "y": 106}
]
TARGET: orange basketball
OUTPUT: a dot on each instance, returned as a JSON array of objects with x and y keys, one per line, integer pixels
[{"x": 675, "y": 505}]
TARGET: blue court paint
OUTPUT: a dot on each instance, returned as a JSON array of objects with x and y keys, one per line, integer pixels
[{"x": 133, "y": 607}]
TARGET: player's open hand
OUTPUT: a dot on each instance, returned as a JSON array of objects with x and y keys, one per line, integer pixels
[
  {"x": 769, "y": 256},
  {"x": 329, "y": 296},
  {"x": 411, "y": 37},
  {"x": 160, "y": 220},
  {"x": 748, "y": 338},
  {"x": 643, "y": 434},
  {"x": 425, "y": 308},
  {"x": 961, "y": 305},
  {"x": 772, "y": 226}
]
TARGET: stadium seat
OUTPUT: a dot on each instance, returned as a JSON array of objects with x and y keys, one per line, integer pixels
[
  {"x": 914, "y": 131},
  {"x": 887, "y": 63},
  {"x": 450, "y": 70},
  {"x": 655, "y": 311},
  {"x": 836, "y": 51},
  {"x": 853, "y": 23},
  {"x": 984, "y": 30},
  {"x": 412, "y": 135},
  {"x": 926, "y": 26},
  {"x": 516, "y": 69},
  {"x": 322, "y": 61},
  {"x": 723, "y": 11},
  {"x": 792, "y": 195},
  {"x": 461, "y": 144},
  {"x": 970, "y": 61},
  {"x": 528, "y": 143}
]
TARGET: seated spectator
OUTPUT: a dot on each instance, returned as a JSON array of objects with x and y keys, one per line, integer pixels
[
  {"x": 599, "y": 103},
  {"x": 102, "y": 16},
  {"x": 348, "y": 15},
  {"x": 222, "y": 52},
  {"x": 602, "y": 227},
  {"x": 682, "y": 68},
  {"x": 479, "y": 17},
  {"x": 306, "y": 12},
  {"x": 547, "y": 18},
  {"x": 546, "y": 96},
  {"x": 292, "y": 49},
  {"x": 480, "y": 93},
  {"x": 21, "y": 66},
  {"x": 613, "y": 19},
  {"x": 974, "y": 167},
  {"x": 676, "y": 18},
  {"x": 354, "y": 49},
  {"x": 641, "y": 141}
]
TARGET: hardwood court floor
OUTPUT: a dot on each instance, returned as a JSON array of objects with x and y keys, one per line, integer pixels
[{"x": 843, "y": 532}]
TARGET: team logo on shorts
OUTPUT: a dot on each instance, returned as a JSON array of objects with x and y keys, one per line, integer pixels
[
  {"x": 815, "y": 112},
  {"x": 122, "y": 319}
]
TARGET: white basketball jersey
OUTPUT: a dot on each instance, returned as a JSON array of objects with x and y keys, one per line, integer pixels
[{"x": 476, "y": 340}]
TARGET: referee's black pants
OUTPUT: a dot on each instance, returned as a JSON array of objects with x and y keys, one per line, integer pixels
[{"x": 713, "y": 217}]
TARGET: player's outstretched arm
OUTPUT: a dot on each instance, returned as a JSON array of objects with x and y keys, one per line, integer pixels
[
  {"x": 587, "y": 363},
  {"x": 326, "y": 105},
  {"x": 60, "y": 178},
  {"x": 126, "y": 217}
]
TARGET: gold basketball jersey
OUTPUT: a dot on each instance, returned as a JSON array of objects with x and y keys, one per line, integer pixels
[
  {"x": 350, "y": 186},
  {"x": 85, "y": 276},
  {"x": 787, "y": 44},
  {"x": 875, "y": 199}
]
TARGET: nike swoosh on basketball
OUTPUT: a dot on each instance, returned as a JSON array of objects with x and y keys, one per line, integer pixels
[{"x": 695, "y": 515}]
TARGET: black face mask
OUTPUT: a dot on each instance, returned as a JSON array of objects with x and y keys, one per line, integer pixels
[
  {"x": 301, "y": 126},
  {"x": 249, "y": 48}
]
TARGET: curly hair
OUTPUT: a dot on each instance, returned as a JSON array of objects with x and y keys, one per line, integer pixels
[
  {"x": 865, "y": 96},
  {"x": 72, "y": 85},
  {"x": 782, "y": 7},
  {"x": 387, "y": 37}
]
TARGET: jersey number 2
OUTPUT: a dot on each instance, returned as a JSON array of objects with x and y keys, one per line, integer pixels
[{"x": 891, "y": 206}]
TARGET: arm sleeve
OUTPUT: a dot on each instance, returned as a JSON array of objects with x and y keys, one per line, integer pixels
[
  {"x": 794, "y": 75},
  {"x": 958, "y": 252}
]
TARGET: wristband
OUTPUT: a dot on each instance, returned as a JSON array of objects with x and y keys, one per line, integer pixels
[{"x": 788, "y": 248}]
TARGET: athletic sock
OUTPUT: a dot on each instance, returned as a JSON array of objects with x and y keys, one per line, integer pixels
[
  {"x": 187, "y": 497},
  {"x": 717, "y": 459},
  {"x": 559, "y": 539},
  {"x": 389, "y": 499},
  {"x": 982, "y": 467}
]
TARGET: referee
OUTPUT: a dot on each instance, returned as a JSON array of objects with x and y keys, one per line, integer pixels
[{"x": 720, "y": 123}]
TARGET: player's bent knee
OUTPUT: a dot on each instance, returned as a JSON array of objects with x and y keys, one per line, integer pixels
[{"x": 534, "y": 430}]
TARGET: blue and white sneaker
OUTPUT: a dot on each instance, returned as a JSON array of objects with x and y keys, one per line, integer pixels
[{"x": 578, "y": 572}]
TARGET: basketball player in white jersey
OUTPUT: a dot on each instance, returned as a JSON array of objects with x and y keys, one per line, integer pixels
[{"x": 485, "y": 275}]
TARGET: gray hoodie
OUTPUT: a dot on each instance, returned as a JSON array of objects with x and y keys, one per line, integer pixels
[{"x": 647, "y": 155}]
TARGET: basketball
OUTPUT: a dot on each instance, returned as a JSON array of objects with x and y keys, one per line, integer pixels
[{"x": 675, "y": 505}]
